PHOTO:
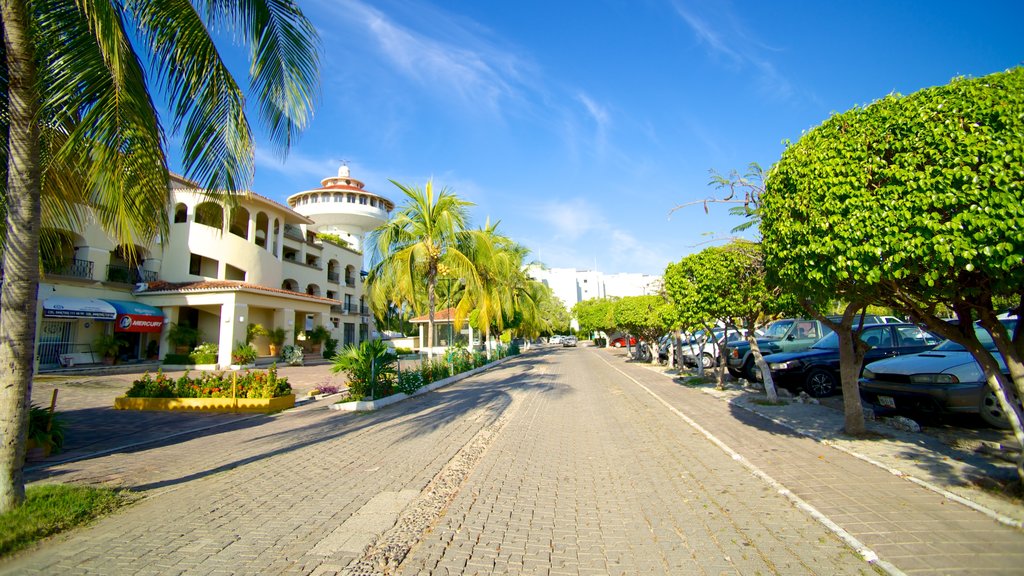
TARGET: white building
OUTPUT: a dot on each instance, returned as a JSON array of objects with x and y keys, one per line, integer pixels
[
  {"x": 218, "y": 270},
  {"x": 574, "y": 285}
]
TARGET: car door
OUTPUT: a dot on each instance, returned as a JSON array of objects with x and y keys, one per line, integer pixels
[
  {"x": 881, "y": 342},
  {"x": 801, "y": 336}
]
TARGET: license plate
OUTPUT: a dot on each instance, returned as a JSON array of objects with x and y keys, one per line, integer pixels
[{"x": 886, "y": 401}]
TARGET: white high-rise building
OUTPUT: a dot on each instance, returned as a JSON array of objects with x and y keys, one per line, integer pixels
[{"x": 574, "y": 285}]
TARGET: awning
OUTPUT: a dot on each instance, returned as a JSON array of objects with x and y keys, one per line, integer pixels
[
  {"x": 136, "y": 317},
  {"x": 70, "y": 307}
]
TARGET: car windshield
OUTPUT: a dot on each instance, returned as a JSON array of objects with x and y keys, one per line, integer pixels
[
  {"x": 829, "y": 342},
  {"x": 778, "y": 329},
  {"x": 983, "y": 337}
]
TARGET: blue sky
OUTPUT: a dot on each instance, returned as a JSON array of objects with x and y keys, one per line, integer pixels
[{"x": 580, "y": 125}]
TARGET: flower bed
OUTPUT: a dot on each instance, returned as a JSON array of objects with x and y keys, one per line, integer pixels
[{"x": 261, "y": 391}]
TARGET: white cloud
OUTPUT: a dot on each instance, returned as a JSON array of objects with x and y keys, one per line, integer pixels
[
  {"x": 571, "y": 219},
  {"x": 741, "y": 48},
  {"x": 440, "y": 54}
]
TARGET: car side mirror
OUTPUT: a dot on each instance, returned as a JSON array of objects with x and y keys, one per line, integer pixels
[{"x": 791, "y": 337}]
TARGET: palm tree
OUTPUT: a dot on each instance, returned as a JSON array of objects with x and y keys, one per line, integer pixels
[
  {"x": 490, "y": 254},
  {"x": 414, "y": 249},
  {"x": 81, "y": 134}
]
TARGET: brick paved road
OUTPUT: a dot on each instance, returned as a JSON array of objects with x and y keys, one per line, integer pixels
[{"x": 556, "y": 463}]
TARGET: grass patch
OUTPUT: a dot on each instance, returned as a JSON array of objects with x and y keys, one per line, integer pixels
[
  {"x": 695, "y": 381},
  {"x": 54, "y": 508}
]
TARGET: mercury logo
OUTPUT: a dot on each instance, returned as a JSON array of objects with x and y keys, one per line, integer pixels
[{"x": 126, "y": 322}]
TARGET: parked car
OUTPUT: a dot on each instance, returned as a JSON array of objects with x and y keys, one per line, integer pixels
[
  {"x": 789, "y": 335},
  {"x": 706, "y": 350},
  {"x": 816, "y": 370},
  {"x": 621, "y": 341},
  {"x": 944, "y": 380},
  {"x": 569, "y": 341},
  {"x": 556, "y": 339}
]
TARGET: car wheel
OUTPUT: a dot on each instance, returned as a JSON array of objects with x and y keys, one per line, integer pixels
[
  {"x": 735, "y": 373},
  {"x": 991, "y": 412},
  {"x": 749, "y": 370},
  {"x": 820, "y": 383},
  {"x": 707, "y": 360},
  {"x": 617, "y": 344}
]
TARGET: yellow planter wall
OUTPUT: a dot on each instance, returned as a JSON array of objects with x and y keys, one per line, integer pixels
[{"x": 206, "y": 404}]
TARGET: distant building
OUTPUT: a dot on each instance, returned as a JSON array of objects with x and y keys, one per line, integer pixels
[
  {"x": 218, "y": 270},
  {"x": 573, "y": 285}
]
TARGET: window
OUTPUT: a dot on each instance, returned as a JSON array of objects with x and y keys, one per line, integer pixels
[
  {"x": 362, "y": 200},
  {"x": 879, "y": 337},
  {"x": 195, "y": 265}
]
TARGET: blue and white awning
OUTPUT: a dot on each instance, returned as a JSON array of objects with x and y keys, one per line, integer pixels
[{"x": 70, "y": 307}]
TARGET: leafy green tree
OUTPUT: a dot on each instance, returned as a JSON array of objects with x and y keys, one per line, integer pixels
[
  {"x": 913, "y": 202},
  {"x": 415, "y": 248},
  {"x": 595, "y": 315},
  {"x": 553, "y": 312},
  {"x": 80, "y": 130},
  {"x": 646, "y": 317},
  {"x": 727, "y": 284}
]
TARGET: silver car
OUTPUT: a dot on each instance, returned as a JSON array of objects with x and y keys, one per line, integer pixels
[{"x": 946, "y": 379}]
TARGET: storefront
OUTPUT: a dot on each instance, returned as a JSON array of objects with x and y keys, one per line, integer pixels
[{"x": 70, "y": 325}]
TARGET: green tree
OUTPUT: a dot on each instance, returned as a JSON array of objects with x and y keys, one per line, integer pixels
[
  {"x": 646, "y": 317},
  {"x": 80, "y": 130},
  {"x": 595, "y": 315},
  {"x": 415, "y": 248},
  {"x": 913, "y": 202},
  {"x": 553, "y": 312}
]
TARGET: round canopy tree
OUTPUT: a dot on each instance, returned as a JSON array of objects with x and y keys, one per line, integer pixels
[{"x": 915, "y": 202}]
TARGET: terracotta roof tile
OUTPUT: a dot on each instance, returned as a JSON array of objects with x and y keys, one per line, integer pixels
[{"x": 224, "y": 286}]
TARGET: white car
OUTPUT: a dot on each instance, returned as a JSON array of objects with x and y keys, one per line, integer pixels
[
  {"x": 705, "y": 349},
  {"x": 556, "y": 339}
]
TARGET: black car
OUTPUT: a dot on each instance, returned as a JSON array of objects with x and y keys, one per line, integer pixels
[{"x": 816, "y": 370}]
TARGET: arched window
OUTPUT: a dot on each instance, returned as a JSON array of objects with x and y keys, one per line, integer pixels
[
  {"x": 313, "y": 290},
  {"x": 290, "y": 285},
  {"x": 239, "y": 222},
  {"x": 210, "y": 214},
  {"x": 180, "y": 213},
  {"x": 262, "y": 223}
]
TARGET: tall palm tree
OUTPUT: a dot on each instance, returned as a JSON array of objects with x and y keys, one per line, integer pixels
[
  {"x": 80, "y": 132},
  {"x": 417, "y": 247},
  {"x": 489, "y": 252}
]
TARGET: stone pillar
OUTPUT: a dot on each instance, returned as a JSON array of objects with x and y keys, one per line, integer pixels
[{"x": 170, "y": 317}]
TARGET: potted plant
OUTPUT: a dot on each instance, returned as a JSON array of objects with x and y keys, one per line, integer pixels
[
  {"x": 45, "y": 431},
  {"x": 252, "y": 331},
  {"x": 292, "y": 355},
  {"x": 316, "y": 337},
  {"x": 243, "y": 354},
  {"x": 276, "y": 338},
  {"x": 183, "y": 337},
  {"x": 107, "y": 346}
]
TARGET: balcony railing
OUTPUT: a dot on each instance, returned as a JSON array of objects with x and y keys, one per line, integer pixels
[
  {"x": 294, "y": 233},
  {"x": 75, "y": 269},
  {"x": 350, "y": 282},
  {"x": 337, "y": 309},
  {"x": 334, "y": 277},
  {"x": 129, "y": 275}
]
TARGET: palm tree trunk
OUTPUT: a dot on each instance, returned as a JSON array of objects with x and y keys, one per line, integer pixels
[
  {"x": 431, "y": 301},
  {"x": 21, "y": 255}
]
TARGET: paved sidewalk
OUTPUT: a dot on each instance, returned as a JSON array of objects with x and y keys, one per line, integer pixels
[{"x": 915, "y": 529}]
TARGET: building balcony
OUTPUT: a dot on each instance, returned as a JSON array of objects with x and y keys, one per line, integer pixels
[
  {"x": 334, "y": 277},
  {"x": 75, "y": 269},
  {"x": 129, "y": 274}
]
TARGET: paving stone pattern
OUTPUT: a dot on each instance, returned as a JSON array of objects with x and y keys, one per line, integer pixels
[
  {"x": 590, "y": 478},
  {"x": 558, "y": 462}
]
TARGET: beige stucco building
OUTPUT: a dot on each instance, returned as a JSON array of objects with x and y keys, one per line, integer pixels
[{"x": 219, "y": 269}]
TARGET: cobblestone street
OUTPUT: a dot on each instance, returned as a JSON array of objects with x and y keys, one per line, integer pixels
[{"x": 561, "y": 461}]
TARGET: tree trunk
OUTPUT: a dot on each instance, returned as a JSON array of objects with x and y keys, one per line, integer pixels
[
  {"x": 431, "y": 301},
  {"x": 21, "y": 256},
  {"x": 677, "y": 349},
  {"x": 766, "y": 373},
  {"x": 851, "y": 356}
]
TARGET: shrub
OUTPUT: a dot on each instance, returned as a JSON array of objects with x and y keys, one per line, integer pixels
[
  {"x": 177, "y": 359},
  {"x": 292, "y": 355},
  {"x": 205, "y": 353},
  {"x": 404, "y": 351},
  {"x": 258, "y": 384},
  {"x": 243, "y": 354},
  {"x": 370, "y": 368},
  {"x": 409, "y": 382},
  {"x": 513, "y": 348},
  {"x": 330, "y": 347},
  {"x": 47, "y": 432}
]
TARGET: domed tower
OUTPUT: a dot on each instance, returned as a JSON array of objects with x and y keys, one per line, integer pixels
[{"x": 341, "y": 206}]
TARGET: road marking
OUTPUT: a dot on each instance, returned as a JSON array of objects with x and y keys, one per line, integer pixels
[{"x": 866, "y": 553}]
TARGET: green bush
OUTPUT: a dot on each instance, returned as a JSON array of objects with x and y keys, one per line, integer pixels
[
  {"x": 177, "y": 359},
  {"x": 243, "y": 354},
  {"x": 47, "y": 432},
  {"x": 292, "y": 355},
  {"x": 409, "y": 382},
  {"x": 513, "y": 349},
  {"x": 251, "y": 384},
  {"x": 330, "y": 347},
  {"x": 370, "y": 367},
  {"x": 404, "y": 351}
]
